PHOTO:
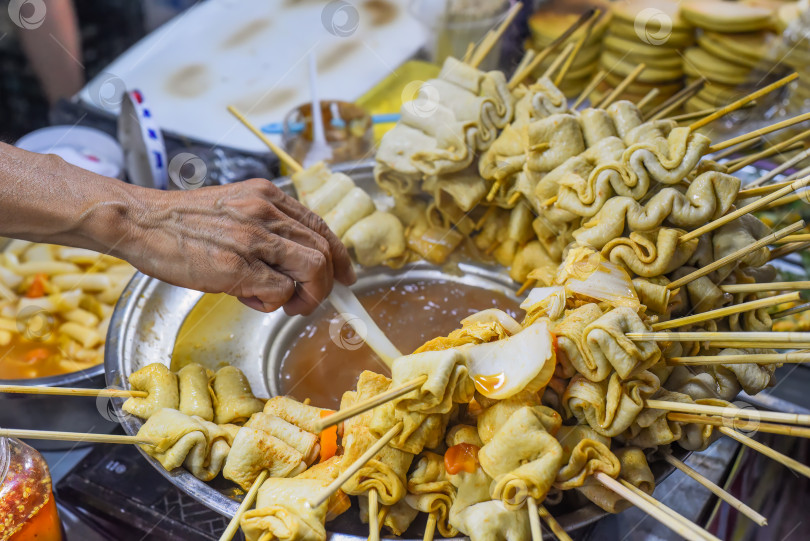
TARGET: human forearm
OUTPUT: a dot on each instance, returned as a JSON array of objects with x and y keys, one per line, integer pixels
[
  {"x": 248, "y": 239},
  {"x": 45, "y": 199}
]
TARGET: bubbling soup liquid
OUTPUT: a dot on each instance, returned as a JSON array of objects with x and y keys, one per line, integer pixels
[{"x": 328, "y": 356}]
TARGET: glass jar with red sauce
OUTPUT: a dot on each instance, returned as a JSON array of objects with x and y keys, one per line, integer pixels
[{"x": 27, "y": 506}]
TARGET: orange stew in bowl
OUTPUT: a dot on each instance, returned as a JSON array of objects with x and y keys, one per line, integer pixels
[{"x": 55, "y": 306}]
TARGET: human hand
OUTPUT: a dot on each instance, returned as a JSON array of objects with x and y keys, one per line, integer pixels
[{"x": 248, "y": 239}]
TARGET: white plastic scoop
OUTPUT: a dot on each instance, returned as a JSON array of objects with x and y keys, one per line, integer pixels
[{"x": 346, "y": 302}]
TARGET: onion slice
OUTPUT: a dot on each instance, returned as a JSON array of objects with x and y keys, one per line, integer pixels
[{"x": 503, "y": 368}]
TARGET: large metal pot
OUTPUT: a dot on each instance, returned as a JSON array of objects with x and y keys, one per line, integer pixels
[{"x": 153, "y": 319}]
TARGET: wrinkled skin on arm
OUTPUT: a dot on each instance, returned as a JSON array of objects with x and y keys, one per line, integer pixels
[{"x": 248, "y": 239}]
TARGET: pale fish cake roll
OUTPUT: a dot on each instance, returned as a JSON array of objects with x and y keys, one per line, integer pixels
[
  {"x": 285, "y": 512},
  {"x": 653, "y": 293},
  {"x": 571, "y": 347},
  {"x": 493, "y": 521},
  {"x": 494, "y": 415},
  {"x": 309, "y": 180},
  {"x": 329, "y": 194},
  {"x": 293, "y": 411},
  {"x": 418, "y": 432},
  {"x": 609, "y": 406},
  {"x": 396, "y": 518},
  {"x": 176, "y": 436},
  {"x": 522, "y": 456},
  {"x": 463, "y": 434},
  {"x": 586, "y": 458},
  {"x": 161, "y": 385},
  {"x": 195, "y": 398},
  {"x": 651, "y": 253},
  {"x": 430, "y": 491},
  {"x": 219, "y": 441},
  {"x": 354, "y": 206},
  {"x": 608, "y": 345},
  {"x": 387, "y": 471},
  {"x": 326, "y": 472},
  {"x": 634, "y": 469},
  {"x": 302, "y": 441},
  {"x": 253, "y": 451},
  {"x": 235, "y": 402},
  {"x": 448, "y": 380},
  {"x": 375, "y": 239}
]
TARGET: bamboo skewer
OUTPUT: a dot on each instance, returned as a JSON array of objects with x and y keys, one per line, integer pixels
[
  {"x": 761, "y": 190},
  {"x": 430, "y": 527},
  {"x": 752, "y": 207},
  {"x": 534, "y": 519},
  {"x": 645, "y": 505},
  {"x": 246, "y": 504},
  {"x": 795, "y": 431},
  {"x": 566, "y": 52},
  {"x": 492, "y": 38},
  {"x": 790, "y": 311},
  {"x": 784, "y": 145},
  {"x": 514, "y": 199},
  {"x": 580, "y": 43},
  {"x": 537, "y": 60},
  {"x": 370, "y": 453},
  {"x": 627, "y": 81},
  {"x": 716, "y": 490},
  {"x": 732, "y": 166},
  {"x": 526, "y": 285},
  {"x": 742, "y": 358},
  {"x": 766, "y": 286},
  {"x": 742, "y": 101},
  {"x": 553, "y": 525},
  {"x": 736, "y": 336},
  {"x": 801, "y": 237},
  {"x": 786, "y": 200},
  {"x": 794, "y": 465},
  {"x": 776, "y": 170},
  {"x": 285, "y": 158},
  {"x": 742, "y": 252},
  {"x": 487, "y": 215},
  {"x": 73, "y": 436},
  {"x": 762, "y": 131},
  {"x": 730, "y": 411},
  {"x": 65, "y": 391},
  {"x": 598, "y": 78},
  {"x": 382, "y": 515},
  {"x": 468, "y": 53},
  {"x": 704, "y": 112},
  {"x": 697, "y": 530},
  {"x": 648, "y": 97},
  {"x": 370, "y": 403},
  {"x": 373, "y": 517},
  {"x": 726, "y": 311},
  {"x": 786, "y": 249},
  {"x": 694, "y": 86},
  {"x": 722, "y": 344},
  {"x": 678, "y": 99}
]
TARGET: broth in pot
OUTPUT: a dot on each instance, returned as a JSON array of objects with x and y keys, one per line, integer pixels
[{"x": 328, "y": 356}]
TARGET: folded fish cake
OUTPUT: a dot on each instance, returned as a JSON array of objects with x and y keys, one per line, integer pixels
[
  {"x": 235, "y": 401},
  {"x": 254, "y": 451},
  {"x": 162, "y": 386}
]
